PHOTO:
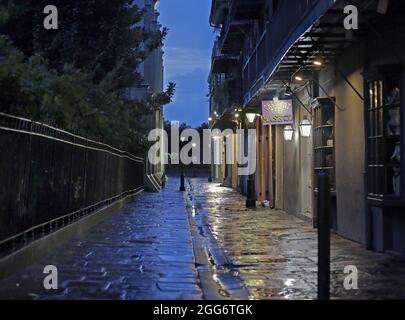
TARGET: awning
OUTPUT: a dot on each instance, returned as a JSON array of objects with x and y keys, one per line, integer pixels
[
  {"x": 323, "y": 43},
  {"x": 280, "y": 40}
]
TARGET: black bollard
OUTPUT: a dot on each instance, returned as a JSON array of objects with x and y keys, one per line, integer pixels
[
  {"x": 323, "y": 236},
  {"x": 182, "y": 186},
  {"x": 251, "y": 196}
]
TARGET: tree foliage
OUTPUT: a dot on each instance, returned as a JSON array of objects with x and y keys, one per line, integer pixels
[{"x": 77, "y": 77}]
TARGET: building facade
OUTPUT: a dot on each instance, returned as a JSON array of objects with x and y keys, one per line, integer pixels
[
  {"x": 151, "y": 71},
  {"x": 342, "y": 69}
]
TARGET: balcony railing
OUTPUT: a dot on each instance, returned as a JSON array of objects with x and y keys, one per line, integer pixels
[
  {"x": 289, "y": 23},
  {"x": 216, "y": 49},
  {"x": 220, "y": 62},
  {"x": 236, "y": 20}
]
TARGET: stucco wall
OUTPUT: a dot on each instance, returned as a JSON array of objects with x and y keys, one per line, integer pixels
[
  {"x": 279, "y": 163},
  {"x": 297, "y": 165},
  {"x": 349, "y": 142}
]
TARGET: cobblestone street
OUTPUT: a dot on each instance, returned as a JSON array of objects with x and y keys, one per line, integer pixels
[
  {"x": 275, "y": 254},
  {"x": 203, "y": 244},
  {"x": 142, "y": 252}
]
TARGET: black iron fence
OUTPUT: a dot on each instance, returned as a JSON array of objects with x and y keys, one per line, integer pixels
[{"x": 50, "y": 178}]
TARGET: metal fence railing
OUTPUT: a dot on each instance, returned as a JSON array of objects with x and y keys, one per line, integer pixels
[{"x": 50, "y": 178}]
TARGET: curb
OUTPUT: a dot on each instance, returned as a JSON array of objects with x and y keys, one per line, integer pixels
[{"x": 32, "y": 252}]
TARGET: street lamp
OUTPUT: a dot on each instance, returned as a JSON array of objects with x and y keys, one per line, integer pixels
[
  {"x": 288, "y": 133},
  {"x": 251, "y": 197},
  {"x": 182, "y": 187},
  {"x": 251, "y": 117},
  {"x": 194, "y": 160},
  {"x": 305, "y": 127}
]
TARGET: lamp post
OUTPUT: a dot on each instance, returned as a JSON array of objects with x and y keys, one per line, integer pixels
[
  {"x": 210, "y": 174},
  {"x": 194, "y": 160},
  {"x": 182, "y": 187},
  {"x": 210, "y": 146},
  {"x": 251, "y": 197}
]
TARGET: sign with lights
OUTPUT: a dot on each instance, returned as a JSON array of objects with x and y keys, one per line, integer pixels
[{"x": 277, "y": 112}]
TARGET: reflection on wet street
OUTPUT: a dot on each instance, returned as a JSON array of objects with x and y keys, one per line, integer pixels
[
  {"x": 275, "y": 254},
  {"x": 144, "y": 251},
  {"x": 202, "y": 244}
]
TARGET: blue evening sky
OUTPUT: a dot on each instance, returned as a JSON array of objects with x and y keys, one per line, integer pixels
[{"x": 187, "y": 58}]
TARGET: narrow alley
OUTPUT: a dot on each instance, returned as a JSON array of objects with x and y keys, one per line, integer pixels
[
  {"x": 202, "y": 245},
  {"x": 142, "y": 252}
]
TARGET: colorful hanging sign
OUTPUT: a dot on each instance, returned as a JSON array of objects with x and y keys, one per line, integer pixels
[{"x": 277, "y": 112}]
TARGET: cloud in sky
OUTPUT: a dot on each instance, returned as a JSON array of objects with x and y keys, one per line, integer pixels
[
  {"x": 190, "y": 102},
  {"x": 187, "y": 57},
  {"x": 182, "y": 61}
]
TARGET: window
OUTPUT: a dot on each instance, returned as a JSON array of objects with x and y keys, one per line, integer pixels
[
  {"x": 324, "y": 150},
  {"x": 324, "y": 138},
  {"x": 383, "y": 105}
]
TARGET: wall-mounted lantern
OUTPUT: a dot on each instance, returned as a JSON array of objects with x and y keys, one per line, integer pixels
[
  {"x": 288, "y": 133},
  {"x": 305, "y": 127},
  {"x": 250, "y": 116}
]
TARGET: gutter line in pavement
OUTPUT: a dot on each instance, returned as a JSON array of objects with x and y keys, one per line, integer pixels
[{"x": 218, "y": 275}]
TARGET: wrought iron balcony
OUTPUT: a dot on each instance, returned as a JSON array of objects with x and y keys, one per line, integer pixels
[
  {"x": 222, "y": 62},
  {"x": 234, "y": 17},
  {"x": 291, "y": 20}
]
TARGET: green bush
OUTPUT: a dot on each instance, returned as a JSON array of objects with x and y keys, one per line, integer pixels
[{"x": 63, "y": 81}]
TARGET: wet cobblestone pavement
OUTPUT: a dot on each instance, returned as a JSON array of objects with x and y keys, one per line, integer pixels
[
  {"x": 142, "y": 252},
  {"x": 275, "y": 254},
  {"x": 203, "y": 244}
]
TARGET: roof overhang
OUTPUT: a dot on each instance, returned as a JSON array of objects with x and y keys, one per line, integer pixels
[
  {"x": 218, "y": 9},
  {"x": 247, "y": 9},
  {"x": 323, "y": 41},
  {"x": 306, "y": 21}
]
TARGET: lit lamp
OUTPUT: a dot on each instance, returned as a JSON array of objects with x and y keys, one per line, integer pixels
[
  {"x": 305, "y": 127},
  {"x": 318, "y": 63},
  {"x": 194, "y": 160},
  {"x": 288, "y": 133},
  {"x": 251, "y": 117},
  {"x": 182, "y": 186},
  {"x": 251, "y": 194}
]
